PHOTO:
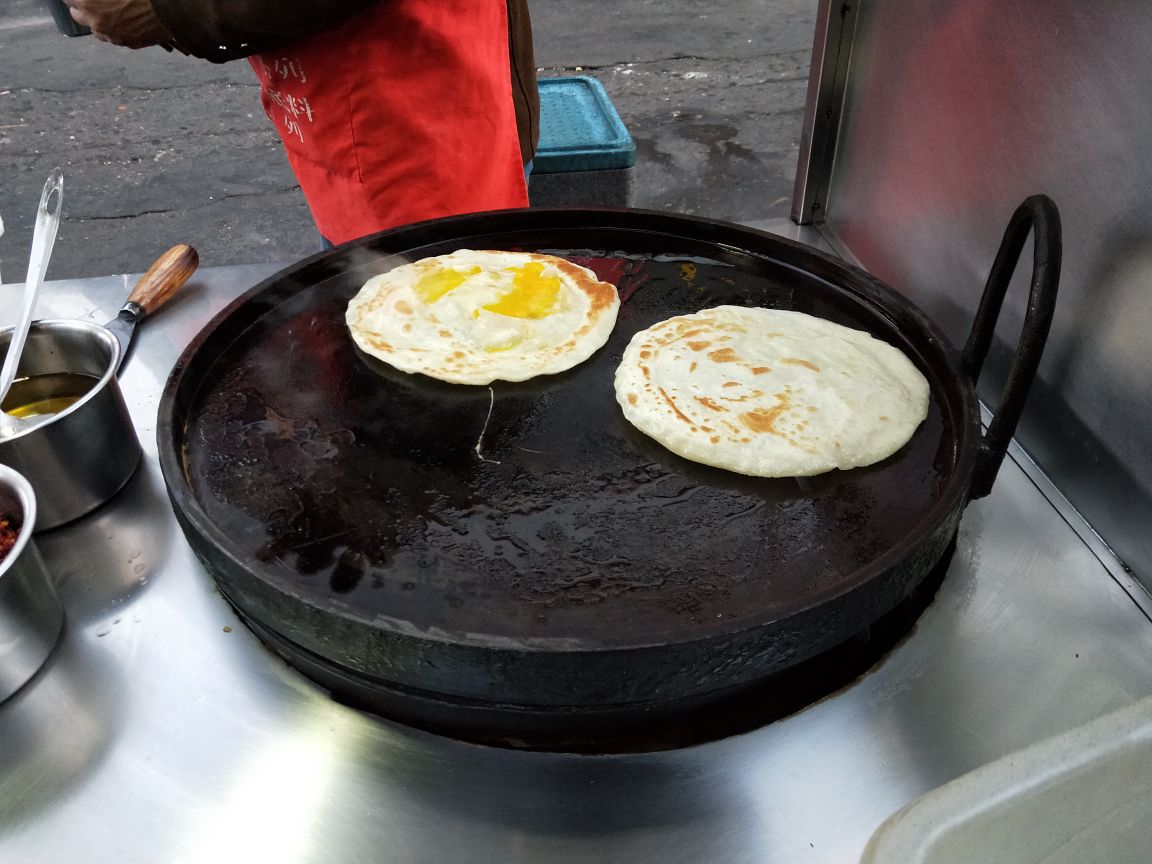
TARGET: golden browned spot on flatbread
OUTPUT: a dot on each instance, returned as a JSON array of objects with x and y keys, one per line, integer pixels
[
  {"x": 601, "y": 294},
  {"x": 796, "y": 361},
  {"x": 444, "y": 334},
  {"x": 715, "y": 439},
  {"x": 645, "y": 355},
  {"x": 731, "y": 384},
  {"x": 724, "y": 355},
  {"x": 692, "y": 368},
  {"x": 710, "y": 404},
  {"x": 754, "y": 394},
  {"x": 761, "y": 370},
  {"x": 633, "y": 398},
  {"x": 698, "y": 346},
  {"x": 676, "y": 336},
  {"x": 672, "y": 405},
  {"x": 403, "y": 308},
  {"x": 882, "y": 417},
  {"x": 763, "y": 420},
  {"x": 407, "y": 328}
]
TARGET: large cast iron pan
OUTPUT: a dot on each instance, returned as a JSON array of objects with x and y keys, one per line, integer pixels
[{"x": 521, "y": 547}]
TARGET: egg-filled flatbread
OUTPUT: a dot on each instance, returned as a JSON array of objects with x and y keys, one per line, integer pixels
[
  {"x": 473, "y": 317},
  {"x": 770, "y": 393}
]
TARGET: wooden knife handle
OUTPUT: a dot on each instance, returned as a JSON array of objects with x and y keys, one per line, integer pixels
[{"x": 167, "y": 273}]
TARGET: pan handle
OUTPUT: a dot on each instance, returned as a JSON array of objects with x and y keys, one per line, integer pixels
[{"x": 1038, "y": 214}]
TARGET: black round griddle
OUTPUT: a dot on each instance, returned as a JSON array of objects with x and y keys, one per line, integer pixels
[{"x": 521, "y": 548}]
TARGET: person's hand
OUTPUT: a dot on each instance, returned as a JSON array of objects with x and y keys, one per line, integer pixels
[{"x": 130, "y": 23}]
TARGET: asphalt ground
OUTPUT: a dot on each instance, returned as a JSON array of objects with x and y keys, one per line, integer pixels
[{"x": 157, "y": 148}]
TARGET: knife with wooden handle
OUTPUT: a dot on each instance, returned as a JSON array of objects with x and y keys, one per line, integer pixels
[{"x": 163, "y": 279}]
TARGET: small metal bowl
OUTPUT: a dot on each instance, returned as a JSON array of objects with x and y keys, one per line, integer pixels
[
  {"x": 31, "y": 616},
  {"x": 84, "y": 455}
]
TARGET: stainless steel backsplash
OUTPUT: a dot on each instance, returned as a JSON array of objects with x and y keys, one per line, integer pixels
[{"x": 946, "y": 115}]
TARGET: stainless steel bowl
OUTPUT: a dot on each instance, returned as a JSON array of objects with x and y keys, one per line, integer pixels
[
  {"x": 31, "y": 616},
  {"x": 84, "y": 455}
]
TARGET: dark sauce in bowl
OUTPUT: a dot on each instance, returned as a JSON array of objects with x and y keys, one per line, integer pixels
[{"x": 9, "y": 532}]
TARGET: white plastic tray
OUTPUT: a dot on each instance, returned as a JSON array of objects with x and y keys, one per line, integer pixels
[{"x": 1080, "y": 797}]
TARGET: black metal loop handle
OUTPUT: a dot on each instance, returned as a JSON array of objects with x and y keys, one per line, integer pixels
[{"x": 1039, "y": 215}]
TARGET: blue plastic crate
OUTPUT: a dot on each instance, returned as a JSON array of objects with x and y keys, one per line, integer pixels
[{"x": 580, "y": 129}]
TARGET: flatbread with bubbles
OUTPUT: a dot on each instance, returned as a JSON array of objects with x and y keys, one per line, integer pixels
[{"x": 770, "y": 393}]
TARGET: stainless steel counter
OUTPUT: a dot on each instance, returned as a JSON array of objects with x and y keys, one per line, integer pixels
[{"x": 163, "y": 731}]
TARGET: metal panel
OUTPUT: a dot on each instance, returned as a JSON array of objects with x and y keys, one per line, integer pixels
[
  {"x": 831, "y": 53},
  {"x": 954, "y": 112}
]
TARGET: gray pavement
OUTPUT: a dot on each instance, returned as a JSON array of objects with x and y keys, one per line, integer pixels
[{"x": 158, "y": 149}]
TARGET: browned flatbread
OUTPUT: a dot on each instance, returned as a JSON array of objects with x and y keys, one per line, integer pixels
[{"x": 770, "y": 393}]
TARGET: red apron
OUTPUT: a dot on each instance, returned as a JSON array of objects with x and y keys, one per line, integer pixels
[{"x": 402, "y": 113}]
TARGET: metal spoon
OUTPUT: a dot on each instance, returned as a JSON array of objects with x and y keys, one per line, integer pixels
[{"x": 43, "y": 239}]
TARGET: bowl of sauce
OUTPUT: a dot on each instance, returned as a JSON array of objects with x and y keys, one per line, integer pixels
[{"x": 82, "y": 449}]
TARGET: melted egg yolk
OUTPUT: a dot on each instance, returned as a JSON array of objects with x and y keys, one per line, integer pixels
[
  {"x": 434, "y": 284},
  {"x": 533, "y": 294}
]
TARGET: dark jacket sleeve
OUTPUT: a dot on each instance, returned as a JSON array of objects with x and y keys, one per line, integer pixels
[{"x": 223, "y": 30}]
